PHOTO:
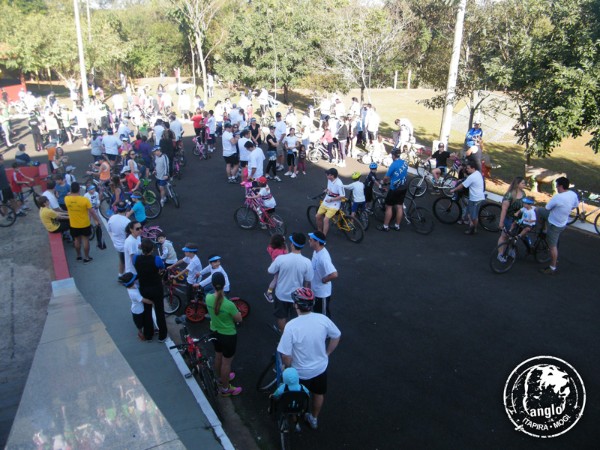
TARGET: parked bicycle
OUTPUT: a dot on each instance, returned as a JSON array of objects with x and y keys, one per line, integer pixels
[
  {"x": 316, "y": 152},
  {"x": 253, "y": 212},
  {"x": 29, "y": 191},
  {"x": 174, "y": 288},
  {"x": 271, "y": 376},
  {"x": 450, "y": 210},
  {"x": 416, "y": 216},
  {"x": 153, "y": 210},
  {"x": 348, "y": 225},
  {"x": 504, "y": 255},
  {"x": 581, "y": 214}
]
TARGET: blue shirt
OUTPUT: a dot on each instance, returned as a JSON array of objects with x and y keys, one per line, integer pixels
[
  {"x": 61, "y": 192},
  {"x": 398, "y": 173},
  {"x": 139, "y": 211},
  {"x": 471, "y": 135}
]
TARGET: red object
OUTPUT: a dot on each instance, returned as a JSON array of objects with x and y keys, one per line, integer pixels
[
  {"x": 38, "y": 173},
  {"x": 13, "y": 90},
  {"x": 59, "y": 259}
]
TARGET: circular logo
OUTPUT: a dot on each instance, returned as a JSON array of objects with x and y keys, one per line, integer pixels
[{"x": 544, "y": 397}]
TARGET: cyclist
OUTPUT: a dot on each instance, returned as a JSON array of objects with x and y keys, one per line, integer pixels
[
  {"x": 441, "y": 162},
  {"x": 193, "y": 268},
  {"x": 214, "y": 266},
  {"x": 396, "y": 177},
  {"x": 332, "y": 201},
  {"x": 168, "y": 254},
  {"x": 369, "y": 182},
  {"x": 268, "y": 201},
  {"x": 357, "y": 188},
  {"x": 138, "y": 210},
  {"x": 303, "y": 346},
  {"x": 527, "y": 217}
]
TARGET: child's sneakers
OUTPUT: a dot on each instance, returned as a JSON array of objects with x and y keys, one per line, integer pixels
[
  {"x": 269, "y": 296},
  {"x": 230, "y": 391}
]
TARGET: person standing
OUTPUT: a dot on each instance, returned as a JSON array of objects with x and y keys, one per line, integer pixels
[
  {"x": 473, "y": 182},
  {"x": 324, "y": 273},
  {"x": 117, "y": 228},
  {"x": 304, "y": 346},
  {"x": 396, "y": 177},
  {"x": 293, "y": 270},
  {"x": 255, "y": 161},
  {"x": 280, "y": 132},
  {"x": 111, "y": 146},
  {"x": 272, "y": 154},
  {"x": 131, "y": 246},
  {"x": 230, "y": 153},
  {"x": 224, "y": 316},
  {"x": 161, "y": 170},
  {"x": 556, "y": 213},
  {"x": 80, "y": 209}
]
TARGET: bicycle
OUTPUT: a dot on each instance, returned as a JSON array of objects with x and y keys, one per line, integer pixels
[
  {"x": 316, "y": 152},
  {"x": 171, "y": 194},
  {"x": 196, "y": 310},
  {"x": 504, "y": 255},
  {"x": 200, "y": 365},
  {"x": 172, "y": 286},
  {"x": 153, "y": 210},
  {"x": 580, "y": 214},
  {"x": 361, "y": 214},
  {"x": 424, "y": 179},
  {"x": 8, "y": 216},
  {"x": 200, "y": 149},
  {"x": 253, "y": 212},
  {"x": 348, "y": 225},
  {"x": 272, "y": 375},
  {"x": 177, "y": 166},
  {"x": 416, "y": 216},
  {"x": 29, "y": 191},
  {"x": 450, "y": 210}
]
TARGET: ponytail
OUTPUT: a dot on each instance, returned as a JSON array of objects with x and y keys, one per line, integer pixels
[{"x": 218, "y": 300}]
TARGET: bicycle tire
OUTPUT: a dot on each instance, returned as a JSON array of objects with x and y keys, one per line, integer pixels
[
  {"x": 597, "y": 224},
  {"x": 172, "y": 303},
  {"x": 278, "y": 225},
  {"x": 92, "y": 234},
  {"x": 489, "y": 217},
  {"x": 267, "y": 378},
  {"x": 573, "y": 216},
  {"x": 36, "y": 199},
  {"x": 196, "y": 312},
  {"x": 314, "y": 156},
  {"x": 149, "y": 197},
  {"x": 417, "y": 187},
  {"x": 363, "y": 218},
  {"x": 379, "y": 209},
  {"x": 210, "y": 388},
  {"x": 509, "y": 251},
  {"x": 105, "y": 208},
  {"x": 153, "y": 210},
  {"x": 285, "y": 433},
  {"x": 242, "y": 305},
  {"x": 174, "y": 196},
  {"x": 541, "y": 251},
  {"x": 152, "y": 234},
  {"x": 196, "y": 151},
  {"x": 366, "y": 159},
  {"x": 245, "y": 217},
  {"x": 8, "y": 216},
  {"x": 311, "y": 213},
  {"x": 421, "y": 220},
  {"x": 354, "y": 232},
  {"x": 447, "y": 210},
  {"x": 448, "y": 183}
]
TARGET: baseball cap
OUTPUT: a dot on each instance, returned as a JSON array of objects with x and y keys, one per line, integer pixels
[
  {"x": 278, "y": 114},
  {"x": 333, "y": 171},
  {"x": 227, "y": 125}
]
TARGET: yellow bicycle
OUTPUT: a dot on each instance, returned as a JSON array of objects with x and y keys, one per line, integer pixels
[{"x": 348, "y": 225}]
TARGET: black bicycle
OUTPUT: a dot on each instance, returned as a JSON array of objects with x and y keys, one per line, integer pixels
[
  {"x": 450, "y": 210},
  {"x": 503, "y": 256},
  {"x": 416, "y": 216}
]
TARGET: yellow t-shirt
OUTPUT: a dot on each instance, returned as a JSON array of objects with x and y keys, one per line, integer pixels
[
  {"x": 78, "y": 207},
  {"x": 48, "y": 218}
]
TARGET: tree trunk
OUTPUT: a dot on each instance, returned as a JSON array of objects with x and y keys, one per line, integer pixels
[
  {"x": 408, "y": 78},
  {"x": 362, "y": 93},
  {"x": 193, "y": 64},
  {"x": 203, "y": 67},
  {"x": 285, "y": 93}
]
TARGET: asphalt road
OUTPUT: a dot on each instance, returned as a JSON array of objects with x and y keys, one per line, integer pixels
[{"x": 429, "y": 334}]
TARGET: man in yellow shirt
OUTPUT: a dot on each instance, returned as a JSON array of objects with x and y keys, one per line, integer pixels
[
  {"x": 55, "y": 222},
  {"x": 80, "y": 209}
]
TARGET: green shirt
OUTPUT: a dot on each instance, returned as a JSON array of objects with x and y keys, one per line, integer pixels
[{"x": 223, "y": 322}]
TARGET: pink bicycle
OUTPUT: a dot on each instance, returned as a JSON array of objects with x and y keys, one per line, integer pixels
[
  {"x": 201, "y": 148},
  {"x": 253, "y": 212}
]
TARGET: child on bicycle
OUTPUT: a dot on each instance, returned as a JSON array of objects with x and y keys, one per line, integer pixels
[
  {"x": 358, "y": 193},
  {"x": 291, "y": 383},
  {"x": 138, "y": 209},
  {"x": 264, "y": 193},
  {"x": 275, "y": 248},
  {"x": 19, "y": 179},
  {"x": 527, "y": 218},
  {"x": 168, "y": 253},
  {"x": 193, "y": 268},
  {"x": 129, "y": 280},
  {"x": 214, "y": 265},
  {"x": 370, "y": 181}
]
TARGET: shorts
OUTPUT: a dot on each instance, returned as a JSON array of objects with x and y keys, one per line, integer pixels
[
  {"x": 243, "y": 164},
  {"x": 225, "y": 344},
  {"x": 369, "y": 194},
  {"x": 280, "y": 149},
  {"x": 316, "y": 385},
  {"x": 63, "y": 225},
  {"x": 326, "y": 211},
  {"x": 138, "y": 320},
  {"x": 358, "y": 206},
  {"x": 77, "y": 232},
  {"x": 291, "y": 159},
  {"x": 233, "y": 159},
  {"x": 473, "y": 209},
  {"x": 121, "y": 257},
  {"x": 161, "y": 182},
  {"x": 211, "y": 139},
  {"x": 552, "y": 234},
  {"x": 84, "y": 133},
  {"x": 395, "y": 197},
  {"x": 7, "y": 194},
  {"x": 283, "y": 310},
  {"x": 111, "y": 157}
]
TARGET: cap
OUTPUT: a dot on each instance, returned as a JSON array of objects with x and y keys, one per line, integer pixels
[
  {"x": 318, "y": 236},
  {"x": 271, "y": 127},
  {"x": 218, "y": 280},
  {"x": 156, "y": 147},
  {"x": 253, "y": 119},
  {"x": 21, "y": 147},
  {"x": 136, "y": 196},
  {"x": 214, "y": 258},
  {"x": 190, "y": 249},
  {"x": 91, "y": 187},
  {"x": 262, "y": 180},
  {"x": 333, "y": 171},
  {"x": 278, "y": 114}
]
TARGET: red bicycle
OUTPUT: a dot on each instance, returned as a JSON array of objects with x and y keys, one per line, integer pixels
[{"x": 196, "y": 311}]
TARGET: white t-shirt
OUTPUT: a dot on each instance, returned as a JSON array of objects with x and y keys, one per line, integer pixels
[
  {"x": 322, "y": 266},
  {"x": 560, "y": 206},
  {"x": 335, "y": 187},
  {"x": 256, "y": 160},
  {"x": 358, "y": 191},
  {"x": 158, "y": 132},
  {"x": 267, "y": 198},
  {"x": 177, "y": 129},
  {"x": 280, "y": 129},
  {"x": 290, "y": 141},
  {"x": 93, "y": 198},
  {"x": 194, "y": 267},
  {"x": 228, "y": 148},
  {"x": 116, "y": 227},
  {"x": 304, "y": 340},
  {"x": 293, "y": 269},
  {"x": 244, "y": 153},
  {"x": 212, "y": 125},
  {"x": 208, "y": 270},
  {"x": 528, "y": 217},
  {"x": 137, "y": 306},
  {"x": 111, "y": 144},
  {"x": 234, "y": 117},
  {"x": 130, "y": 248},
  {"x": 475, "y": 184},
  {"x": 52, "y": 199}
]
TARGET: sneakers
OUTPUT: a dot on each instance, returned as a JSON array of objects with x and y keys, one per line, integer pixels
[
  {"x": 548, "y": 271},
  {"x": 231, "y": 180},
  {"x": 21, "y": 214},
  {"x": 303, "y": 173},
  {"x": 162, "y": 340},
  {"x": 277, "y": 178},
  {"x": 230, "y": 391},
  {"x": 293, "y": 175},
  {"x": 288, "y": 173},
  {"x": 269, "y": 296},
  {"x": 279, "y": 167},
  {"x": 182, "y": 320},
  {"x": 268, "y": 177},
  {"x": 231, "y": 377},
  {"x": 25, "y": 208},
  {"x": 471, "y": 230},
  {"x": 501, "y": 258},
  {"x": 88, "y": 260},
  {"x": 311, "y": 420},
  {"x": 383, "y": 228}
]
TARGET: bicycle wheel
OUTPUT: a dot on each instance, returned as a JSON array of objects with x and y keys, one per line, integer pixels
[
  {"x": 268, "y": 377},
  {"x": 366, "y": 159},
  {"x": 276, "y": 225},
  {"x": 172, "y": 303},
  {"x": 92, "y": 233},
  {"x": 242, "y": 306},
  {"x": 196, "y": 151},
  {"x": 7, "y": 216},
  {"x": 196, "y": 312},
  {"x": 417, "y": 187},
  {"x": 489, "y": 217},
  {"x": 173, "y": 196},
  {"x": 105, "y": 208},
  {"x": 311, "y": 213},
  {"x": 449, "y": 182},
  {"x": 210, "y": 388},
  {"x": 245, "y": 217},
  {"x": 573, "y": 216},
  {"x": 36, "y": 199},
  {"x": 153, "y": 210},
  {"x": 542, "y": 251},
  {"x": 446, "y": 210},
  {"x": 363, "y": 218},
  {"x": 504, "y": 256},
  {"x": 149, "y": 197},
  {"x": 421, "y": 220},
  {"x": 152, "y": 234},
  {"x": 285, "y": 432},
  {"x": 379, "y": 208},
  {"x": 597, "y": 224},
  {"x": 351, "y": 228},
  {"x": 314, "y": 155}
]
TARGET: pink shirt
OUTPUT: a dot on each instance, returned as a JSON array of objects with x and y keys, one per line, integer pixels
[{"x": 275, "y": 252}]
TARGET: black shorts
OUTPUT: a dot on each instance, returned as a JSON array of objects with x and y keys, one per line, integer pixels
[
  {"x": 316, "y": 385},
  {"x": 77, "y": 232},
  {"x": 395, "y": 197},
  {"x": 111, "y": 157},
  {"x": 122, "y": 257},
  {"x": 233, "y": 159},
  {"x": 7, "y": 194},
  {"x": 83, "y": 132},
  {"x": 225, "y": 343},
  {"x": 243, "y": 164},
  {"x": 369, "y": 194},
  {"x": 283, "y": 310},
  {"x": 63, "y": 225},
  {"x": 138, "y": 320},
  {"x": 211, "y": 139}
]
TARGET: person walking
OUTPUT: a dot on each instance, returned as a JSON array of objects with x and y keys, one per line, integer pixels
[
  {"x": 304, "y": 347},
  {"x": 324, "y": 273}
]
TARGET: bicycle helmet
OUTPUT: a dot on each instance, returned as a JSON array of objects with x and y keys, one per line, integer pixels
[
  {"x": 355, "y": 175},
  {"x": 528, "y": 201},
  {"x": 373, "y": 165},
  {"x": 304, "y": 298},
  {"x": 396, "y": 152}
]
